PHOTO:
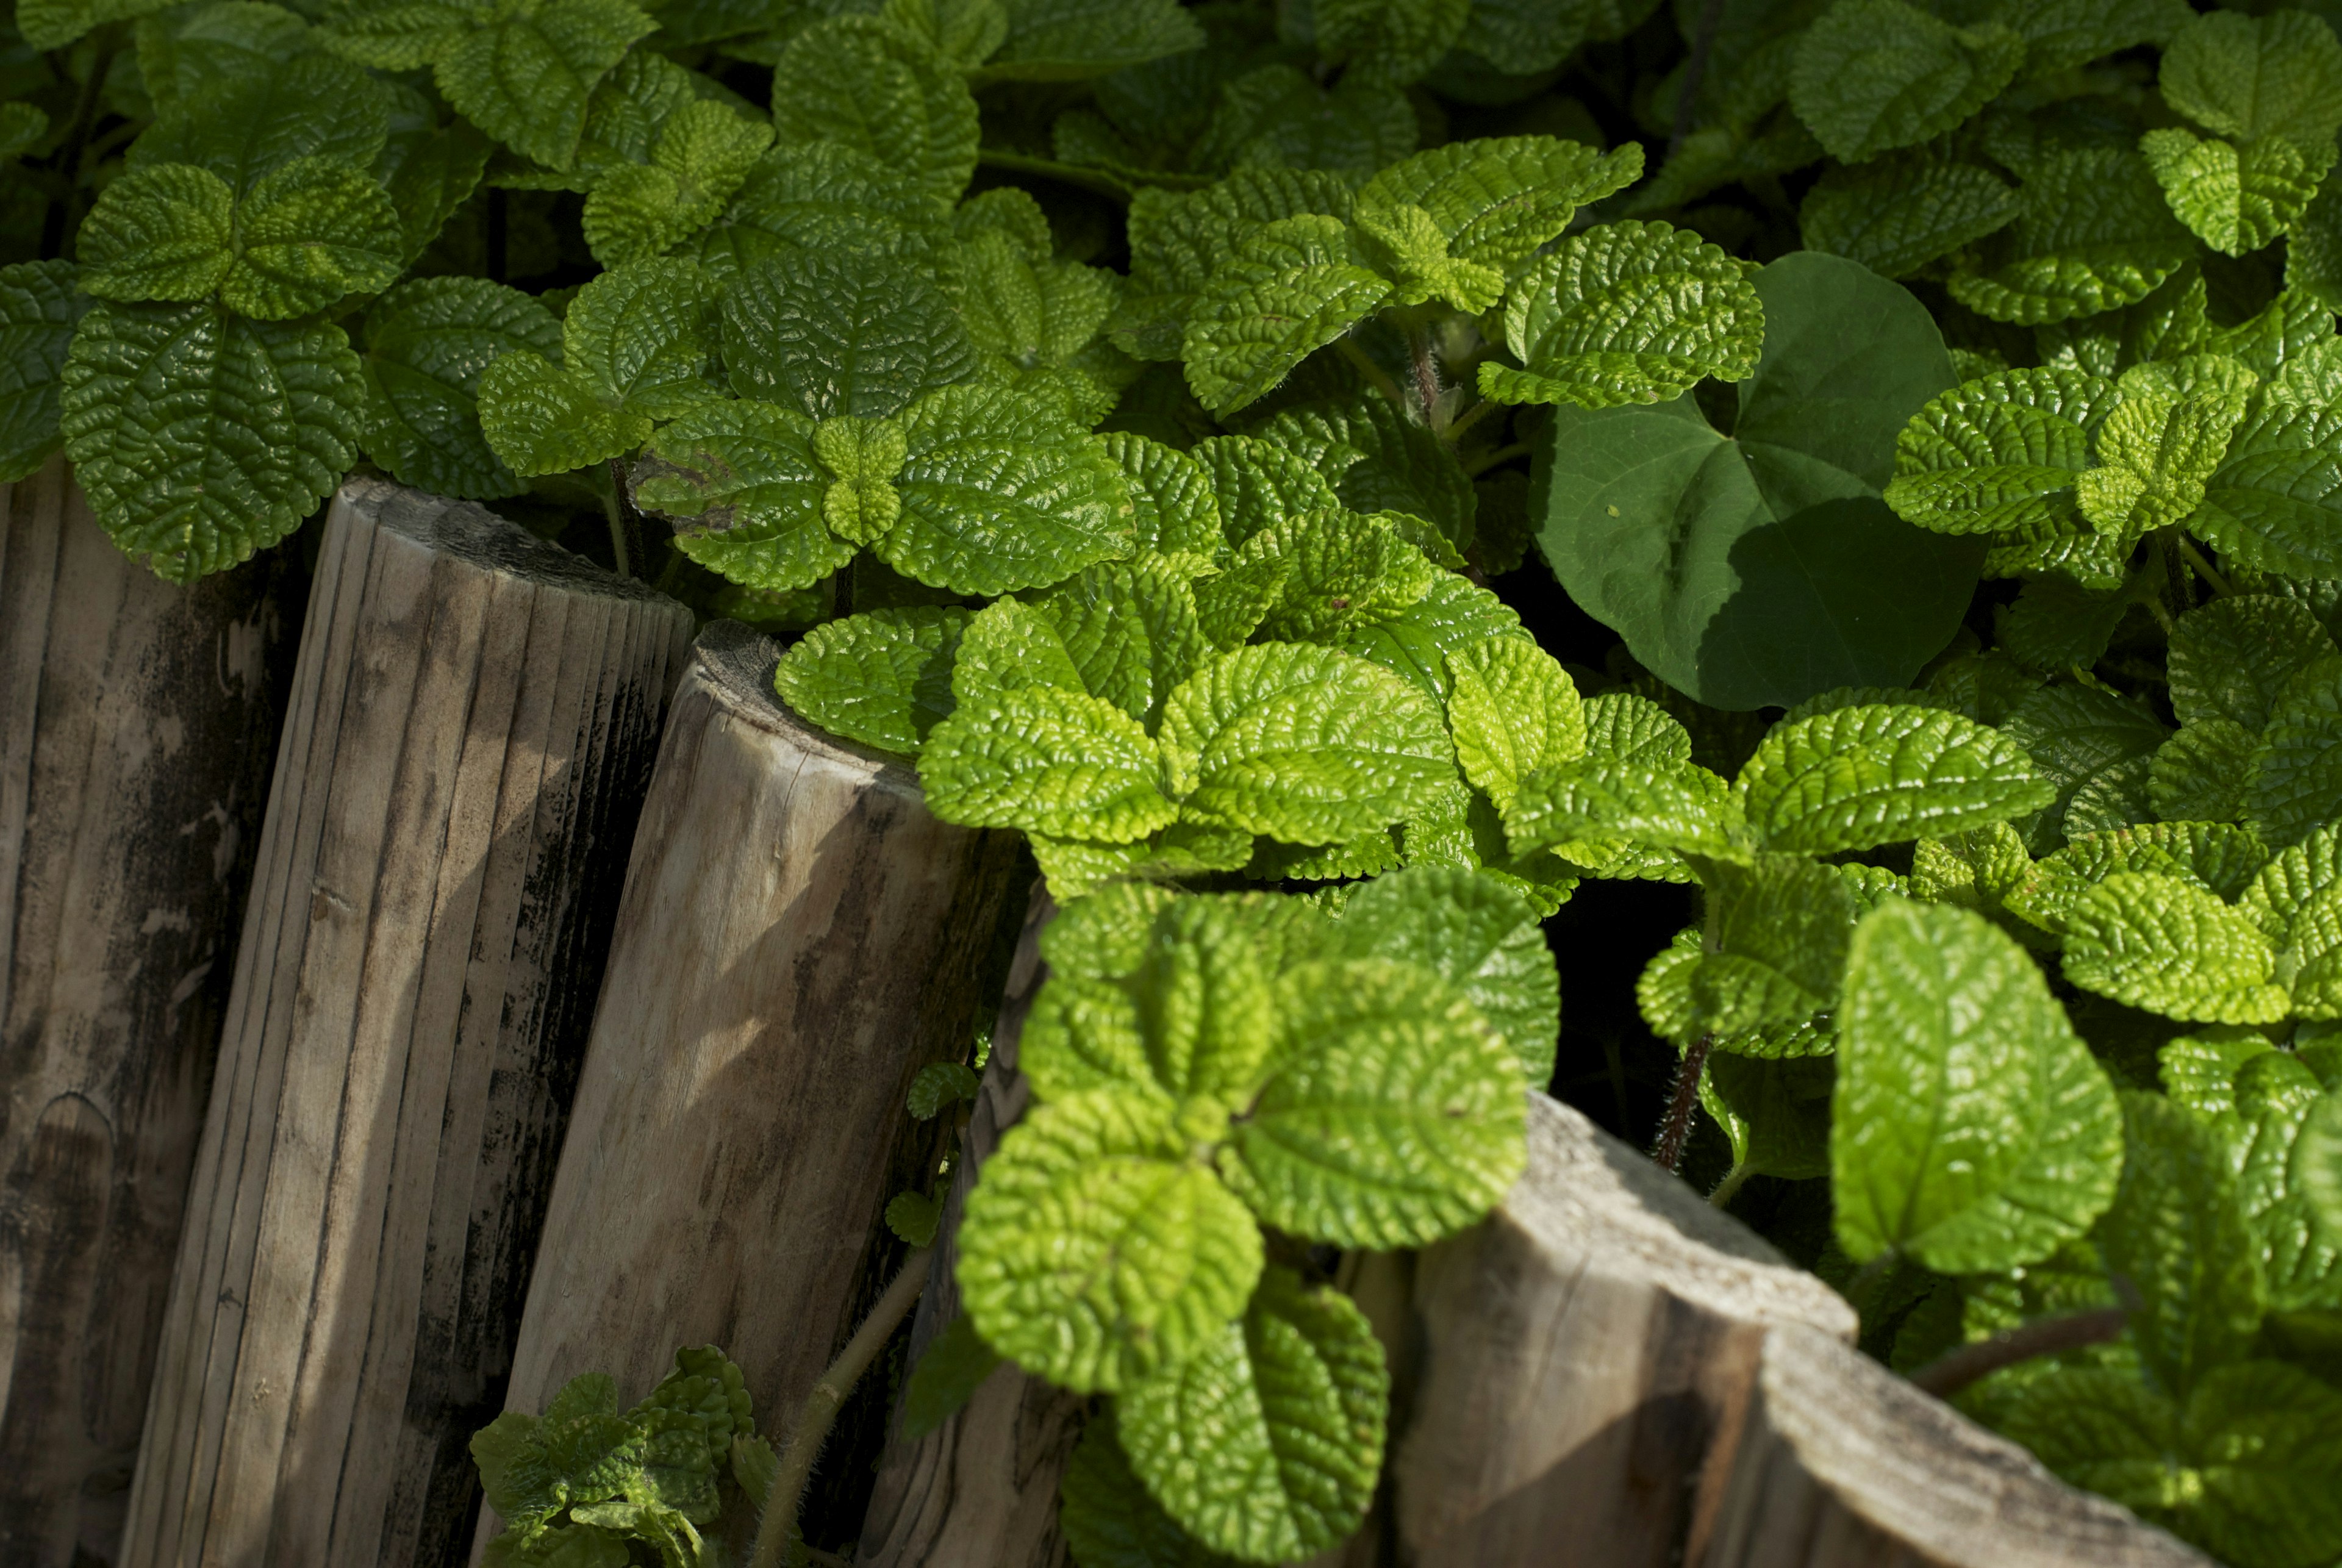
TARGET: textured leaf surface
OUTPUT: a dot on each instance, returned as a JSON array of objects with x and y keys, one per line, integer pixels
[
  {"x": 745, "y": 472},
  {"x": 310, "y": 233},
  {"x": 2177, "y": 1232},
  {"x": 38, "y": 308},
  {"x": 1627, "y": 313},
  {"x": 2093, "y": 234},
  {"x": 1110, "y": 1520},
  {"x": 1289, "y": 289},
  {"x": 1497, "y": 199},
  {"x": 1971, "y": 1128},
  {"x": 1512, "y": 709},
  {"x": 162, "y": 233},
  {"x": 1048, "y": 760},
  {"x": 882, "y": 678},
  {"x": 1392, "y": 1116},
  {"x": 2276, "y": 500},
  {"x": 1874, "y": 74},
  {"x": 1896, "y": 215},
  {"x": 1306, "y": 745},
  {"x": 867, "y": 85},
  {"x": 1862, "y": 776},
  {"x": 1052, "y": 40},
  {"x": 200, "y": 437},
  {"x": 2236, "y": 199},
  {"x": 2000, "y": 454},
  {"x": 1093, "y": 1251},
  {"x": 1265, "y": 1444},
  {"x": 2172, "y": 947},
  {"x": 2295, "y": 784},
  {"x": 2248, "y": 77},
  {"x": 427, "y": 342},
  {"x": 522, "y": 73}
]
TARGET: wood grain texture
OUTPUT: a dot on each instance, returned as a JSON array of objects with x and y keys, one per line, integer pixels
[
  {"x": 474, "y": 717},
  {"x": 138, "y": 722},
  {"x": 981, "y": 1490},
  {"x": 798, "y": 937},
  {"x": 1580, "y": 1361},
  {"x": 1845, "y": 1466}
]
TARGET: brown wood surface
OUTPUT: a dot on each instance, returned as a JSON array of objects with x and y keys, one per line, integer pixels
[
  {"x": 138, "y": 721},
  {"x": 1845, "y": 1466},
  {"x": 798, "y": 937},
  {"x": 473, "y": 721},
  {"x": 981, "y": 1490},
  {"x": 1581, "y": 1358}
]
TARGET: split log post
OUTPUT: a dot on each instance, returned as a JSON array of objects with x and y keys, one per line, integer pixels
[
  {"x": 798, "y": 937},
  {"x": 138, "y": 722},
  {"x": 1843, "y": 1465},
  {"x": 981, "y": 1490},
  {"x": 474, "y": 717}
]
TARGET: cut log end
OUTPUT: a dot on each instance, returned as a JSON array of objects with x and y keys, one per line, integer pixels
[{"x": 469, "y": 532}]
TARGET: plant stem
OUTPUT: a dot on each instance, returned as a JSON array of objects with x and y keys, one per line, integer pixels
[
  {"x": 1703, "y": 44},
  {"x": 1377, "y": 377},
  {"x": 1480, "y": 465},
  {"x": 1426, "y": 373},
  {"x": 822, "y": 1405},
  {"x": 1734, "y": 1180},
  {"x": 2195, "y": 558},
  {"x": 1948, "y": 1375},
  {"x": 626, "y": 542},
  {"x": 1676, "y": 1131},
  {"x": 1470, "y": 417}
]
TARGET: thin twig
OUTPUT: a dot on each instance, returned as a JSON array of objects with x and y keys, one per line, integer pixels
[
  {"x": 1948, "y": 1375},
  {"x": 1479, "y": 465},
  {"x": 1676, "y": 1131},
  {"x": 1734, "y": 1180},
  {"x": 1377, "y": 377},
  {"x": 786, "y": 1495},
  {"x": 2195, "y": 558},
  {"x": 1427, "y": 372},
  {"x": 627, "y": 541},
  {"x": 1702, "y": 43}
]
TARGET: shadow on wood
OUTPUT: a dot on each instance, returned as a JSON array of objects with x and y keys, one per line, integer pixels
[
  {"x": 1845, "y": 1466},
  {"x": 138, "y": 721},
  {"x": 472, "y": 721},
  {"x": 798, "y": 937},
  {"x": 982, "y": 1488}
]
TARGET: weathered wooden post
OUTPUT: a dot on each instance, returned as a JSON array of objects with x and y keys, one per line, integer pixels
[
  {"x": 137, "y": 724},
  {"x": 1843, "y": 1465},
  {"x": 798, "y": 937},
  {"x": 982, "y": 1488},
  {"x": 473, "y": 716}
]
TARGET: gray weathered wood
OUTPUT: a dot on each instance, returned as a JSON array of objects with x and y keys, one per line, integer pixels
[
  {"x": 981, "y": 1490},
  {"x": 137, "y": 723},
  {"x": 1585, "y": 1357},
  {"x": 798, "y": 937},
  {"x": 474, "y": 717},
  {"x": 1843, "y": 1465}
]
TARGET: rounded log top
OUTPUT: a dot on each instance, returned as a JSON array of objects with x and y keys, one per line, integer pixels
[
  {"x": 1588, "y": 1195},
  {"x": 735, "y": 661},
  {"x": 470, "y": 533}
]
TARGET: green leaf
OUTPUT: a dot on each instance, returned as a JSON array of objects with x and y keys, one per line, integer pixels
[
  {"x": 2001, "y": 454},
  {"x": 522, "y": 72},
  {"x": 2199, "y": 1070},
  {"x": 1775, "y": 1112},
  {"x": 2074, "y": 732},
  {"x": 2170, "y": 946},
  {"x": 882, "y": 678},
  {"x": 2236, "y": 199},
  {"x": 1627, "y": 313},
  {"x": 1131, "y": 630},
  {"x": 311, "y": 232},
  {"x": 872, "y": 86},
  {"x": 540, "y": 419},
  {"x": 1776, "y": 943},
  {"x": 426, "y": 343},
  {"x": 1394, "y": 41},
  {"x": 1306, "y": 745},
  {"x": 639, "y": 210},
  {"x": 1110, "y": 1520},
  {"x": 1347, "y": 571},
  {"x": 2248, "y": 77},
  {"x": 2093, "y": 234},
  {"x": 200, "y": 437},
  {"x": 1971, "y": 1129},
  {"x": 2199, "y": 774},
  {"x": 429, "y": 172},
  {"x": 1496, "y": 200},
  {"x": 38, "y": 309},
  {"x": 1049, "y": 761},
  {"x": 1897, "y": 215},
  {"x": 745, "y": 473},
  {"x": 2296, "y": 781},
  {"x": 1757, "y": 570},
  {"x": 641, "y": 338},
  {"x": 1452, "y": 614},
  {"x": 2156, "y": 449},
  {"x": 1030, "y": 312},
  {"x": 1512, "y": 710},
  {"x": 1176, "y": 240},
  {"x": 1094, "y": 1250},
  {"x": 162, "y": 233},
  {"x": 1174, "y": 510},
  {"x": 1858, "y": 777},
  {"x": 913, "y": 1217},
  {"x": 1380, "y": 460},
  {"x": 2232, "y": 658},
  {"x": 2274, "y": 502},
  {"x": 1393, "y": 1114},
  {"x": 1479, "y": 936},
  {"x": 1001, "y": 492},
  {"x": 1267, "y": 1442},
  {"x": 1279, "y": 115},
  {"x": 953, "y": 1367},
  {"x": 55, "y": 24},
  {"x": 2219, "y": 857},
  {"x": 826, "y": 198},
  {"x": 2177, "y": 1233},
  {"x": 1876, "y": 74},
  {"x": 1257, "y": 484},
  {"x": 247, "y": 124},
  {"x": 2060, "y": 35},
  {"x": 1290, "y": 288},
  {"x": 1580, "y": 808},
  {"x": 1060, "y": 40}
]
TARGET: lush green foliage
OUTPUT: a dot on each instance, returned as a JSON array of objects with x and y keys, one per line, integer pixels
[{"x": 1124, "y": 406}]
